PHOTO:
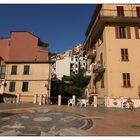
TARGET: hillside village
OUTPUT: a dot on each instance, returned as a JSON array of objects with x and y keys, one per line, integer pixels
[{"x": 109, "y": 57}]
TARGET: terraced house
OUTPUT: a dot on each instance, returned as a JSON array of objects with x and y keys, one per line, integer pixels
[
  {"x": 27, "y": 65},
  {"x": 113, "y": 46}
]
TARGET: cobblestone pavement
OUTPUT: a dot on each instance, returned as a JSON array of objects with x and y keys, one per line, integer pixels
[{"x": 52, "y": 120}]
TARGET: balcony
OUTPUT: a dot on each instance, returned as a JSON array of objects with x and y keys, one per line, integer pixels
[
  {"x": 110, "y": 16},
  {"x": 99, "y": 71},
  {"x": 114, "y": 13},
  {"x": 91, "y": 55}
]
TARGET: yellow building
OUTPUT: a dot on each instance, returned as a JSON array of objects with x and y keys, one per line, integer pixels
[
  {"x": 114, "y": 34},
  {"x": 28, "y": 79}
]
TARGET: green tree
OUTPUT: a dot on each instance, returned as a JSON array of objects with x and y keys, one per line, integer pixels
[{"x": 77, "y": 83}]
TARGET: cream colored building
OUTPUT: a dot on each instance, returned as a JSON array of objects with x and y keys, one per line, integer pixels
[
  {"x": 28, "y": 79},
  {"x": 114, "y": 32}
]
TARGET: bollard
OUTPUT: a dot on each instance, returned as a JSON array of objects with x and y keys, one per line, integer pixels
[
  {"x": 105, "y": 101},
  {"x": 18, "y": 98},
  {"x": 95, "y": 101},
  {"x": 121, "y": 101},
  {"x": 108, "y": 101},
  {"x": 44, "y": 99},
  {"x": 35, "y": 99},
  {"x": 74, "y": 99},
  {"x": 59, "y": 100},
  {"x": 40, "y": 99}
]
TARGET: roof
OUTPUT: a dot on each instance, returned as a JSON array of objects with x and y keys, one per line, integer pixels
[
  {"x": 25, "y": 31},
  {"x": 29, "y": 62}
]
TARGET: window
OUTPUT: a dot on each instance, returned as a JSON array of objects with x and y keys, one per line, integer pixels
[
  {"x": 120, "y": 11},
  {"x": 12, "y": 86},
  {"x": 126, "y": 80},
  {"x": 124, "y": 54},
  {"x": 72, "y": 58},
  {"x": 2, "y": 72},
  {"x": 137, "y": 32},
  {"x": 123, "y": 32},
  {"x": 25, "y": 86},
  {"x": 101, "y": 59},
  {"x": 138, "y": 11},
  {"x": 76, "y": 59},
  {"x": 14, "y": 70},
  {"x": 102, "y": 82},
  {"x": 26, "y": 69}
]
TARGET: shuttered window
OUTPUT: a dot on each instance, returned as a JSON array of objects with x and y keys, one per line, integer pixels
[
  {"x": 2, "y": 72},
  {"x": 126, "y": 80},
  {"x": 137, "y": 32},
  {"x": 14, "y": 70},
  {"x": 26, "y": 69},
  {"x": 12, "y": 86},
  {"x": 122, "y": 32},
  {"x": 120, "y": 11},
  {"x": 128, "y": 32},
  {"x": 138, "y": 11},
  {"x": 25, "y": 86},
  {"x": 124, "y": 54}
]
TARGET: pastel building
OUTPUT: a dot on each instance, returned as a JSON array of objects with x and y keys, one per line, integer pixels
[
  {"x": 112, "y": 46},
  {"x": 68, "y": 63},
  {"x": 27, "y": 65},
  {"x": 2, "y": 75}
]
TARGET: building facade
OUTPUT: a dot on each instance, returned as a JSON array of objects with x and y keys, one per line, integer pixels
[
  {"x": 2, "y": 75},
  {"x": 28, "y": 68},
  {"x": 112, "y": 46},
  {"x": 69, "y": 63}
]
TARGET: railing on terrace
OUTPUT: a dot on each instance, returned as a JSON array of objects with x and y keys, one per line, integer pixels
[{"x": 113, "y": 12}]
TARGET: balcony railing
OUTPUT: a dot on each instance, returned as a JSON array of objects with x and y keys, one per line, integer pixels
[{"x": 114, "y": 13}]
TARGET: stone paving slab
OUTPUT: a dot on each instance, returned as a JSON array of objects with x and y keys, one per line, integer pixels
[{"x": 101, "y": 121}]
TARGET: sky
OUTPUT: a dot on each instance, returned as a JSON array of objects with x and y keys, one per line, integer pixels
[{"x": 62, "y": 26}]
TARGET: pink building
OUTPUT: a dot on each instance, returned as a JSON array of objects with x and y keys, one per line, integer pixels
[
  {"x": 14, "y": 48},
  {"x": 27, "y": 66}
]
